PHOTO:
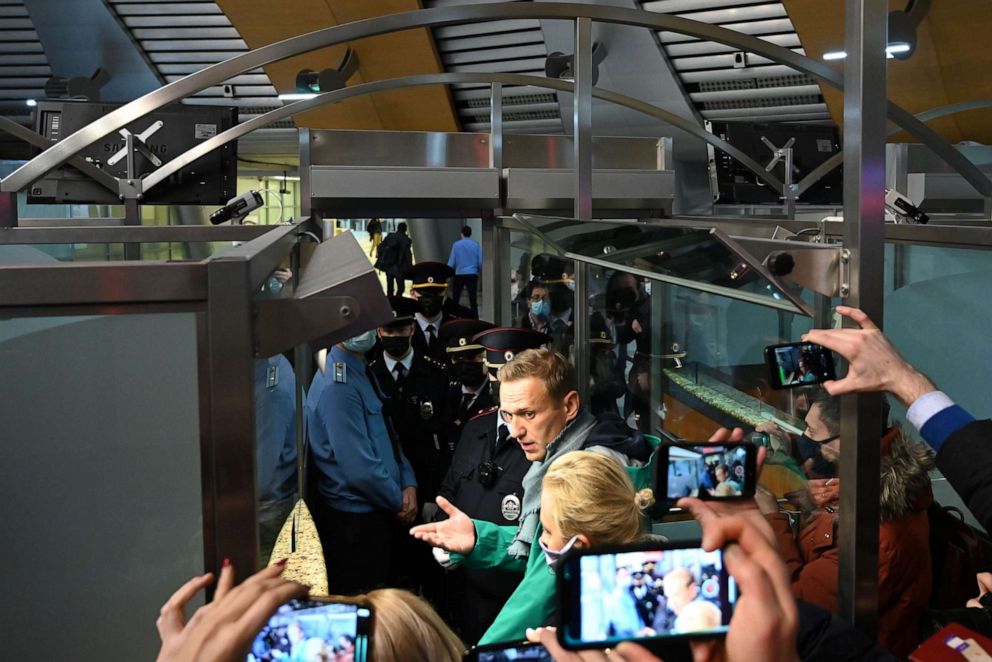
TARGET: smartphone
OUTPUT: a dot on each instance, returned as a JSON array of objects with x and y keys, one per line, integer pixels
[
  {"x": 642, "y": 592},
  {"x": 705, "y": 470},
  {"x": 512, "y": 650},
  {"x": 315, "y": 629},
  {"x": 799, "y": 364}
]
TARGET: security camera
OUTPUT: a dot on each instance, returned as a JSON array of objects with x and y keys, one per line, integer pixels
[
  {"x": 237, "y": 208},
  {"x": 903, "y": 208}
]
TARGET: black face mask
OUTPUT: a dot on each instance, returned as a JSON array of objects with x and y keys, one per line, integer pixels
[
  {"x": 470, "y": 373},
  {"x": 395, "y": 345},
  {"x": 811, "y": 450},
  {"x": 430, "y": 305}
]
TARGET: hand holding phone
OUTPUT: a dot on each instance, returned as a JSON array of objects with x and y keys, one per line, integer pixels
[
  {"x": 799, "y": 364},
  {"x": 705, "y": 470}
]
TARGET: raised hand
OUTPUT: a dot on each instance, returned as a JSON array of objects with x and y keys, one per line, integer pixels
[
  {"x": 873, "y": 363},
  {"x": 455, "y": 534}
]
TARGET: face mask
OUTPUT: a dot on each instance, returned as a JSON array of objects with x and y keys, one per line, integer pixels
[
  {"x": 470, "y": 373},
  {"x": 430, "y": 305},
  {"x": 570, "y": 284},
  {"x": 810, "y": 450},
  {"x": 647, "y": 288},
  {"x": 361, "y": 343},
  {"x": 553, "y": 557},
  {"x": 540, "y": 309},
  {"x": 395, "y": 345}
]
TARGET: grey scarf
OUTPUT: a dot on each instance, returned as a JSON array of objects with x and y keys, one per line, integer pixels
[{"x": 570, "y": 439}]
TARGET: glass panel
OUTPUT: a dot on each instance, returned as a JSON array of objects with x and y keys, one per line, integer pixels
[
  {"x": 100, "y": 485},
  {"x": 700, "y": 259}
]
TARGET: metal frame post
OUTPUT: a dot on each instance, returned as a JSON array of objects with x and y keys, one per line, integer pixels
[
  {"x": 580, "y": 315},
  {"x": 8, "y": 210},
  {"x": 231, "y": 350},
  {"x": 864, "y": 235},
  {"x": 582, "y": 119},
  {"x": 493, "y": 278},
  {"x": 496, "y": 128}
]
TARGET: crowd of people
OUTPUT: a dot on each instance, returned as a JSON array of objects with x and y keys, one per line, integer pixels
[{"x": 456, "y": 463}]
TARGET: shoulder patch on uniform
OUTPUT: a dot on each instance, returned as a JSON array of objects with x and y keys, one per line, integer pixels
[{"x": 485, "y": 412}]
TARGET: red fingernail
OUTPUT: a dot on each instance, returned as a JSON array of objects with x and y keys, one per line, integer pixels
[
  {"x": 227, "y": 563},
  {"x": 282, "y": 562}
]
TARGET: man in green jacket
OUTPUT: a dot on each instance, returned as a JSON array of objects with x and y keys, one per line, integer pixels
[{"x": 539, "y": 401}]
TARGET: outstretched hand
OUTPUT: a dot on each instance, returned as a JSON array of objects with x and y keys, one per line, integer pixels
[
  {"x": 873, "y": 363},
  {"x": 222, "y": 630},
  {"x": 455, "y": 534}
]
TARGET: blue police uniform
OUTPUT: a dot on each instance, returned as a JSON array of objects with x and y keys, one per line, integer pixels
[
  {"x": 362, "y": 473},
  {"x": 275, "y": 446}
]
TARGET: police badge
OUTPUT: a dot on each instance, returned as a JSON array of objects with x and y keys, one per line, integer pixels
[
  {"x": 510, "y": 508},
  {"x": 426, "y": 410}
]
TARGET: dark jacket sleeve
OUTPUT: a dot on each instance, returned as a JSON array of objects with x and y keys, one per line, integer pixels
[
  {"x": 823, "y": 637},
  {"x": 965, "y": 459}
]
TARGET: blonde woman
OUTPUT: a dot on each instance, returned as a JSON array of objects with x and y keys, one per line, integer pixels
[
  {"x": 407, "y": 628},
  {"x": 587, "y": 499}
]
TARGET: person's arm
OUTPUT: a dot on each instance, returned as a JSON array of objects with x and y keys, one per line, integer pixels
[
  {"x": 937, "y": 417},
  {"x": 786, "y": 541},
  {"x": 965, "y": 459},
  {"x": 529, "y": 606},
  {"x": 354, "y": 452},
  {"x": 478, "y": 258},
  {"x": 451, "y": 255},
  {"x": 491, "y": 543}
]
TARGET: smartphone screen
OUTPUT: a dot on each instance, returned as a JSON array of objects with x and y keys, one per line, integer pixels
[
  {"x": 799, "y": 364},
  {"x": 315, "y": 630},
  {"x": 521, "y": 650},
  {"x": 644, "y": 593},
  {"x": 705, "y": 470}
]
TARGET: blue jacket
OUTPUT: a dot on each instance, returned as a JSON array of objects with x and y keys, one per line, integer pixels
[
  {"x": 275, "y": 428},
  {"x": 466, "y": 257},
  {"x": 350, "y": 444}
]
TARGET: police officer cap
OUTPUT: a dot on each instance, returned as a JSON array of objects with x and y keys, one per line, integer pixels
[
  {"x": 457, "y": 334},
  {"x": 502, "y": 344},
  {"x": 550, "y": 269},
  {"x": 598, "y": 332},
  {"x": 428, "y": 274},
  {"x": 403, "y": 310}
]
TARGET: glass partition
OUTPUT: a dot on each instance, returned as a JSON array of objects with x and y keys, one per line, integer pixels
[{"x": 101, "y": 482}]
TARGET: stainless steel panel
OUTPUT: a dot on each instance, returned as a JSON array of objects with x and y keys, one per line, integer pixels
[
  {"x": 394, "y": 148},
  {"x": 340, "y": 187},
  {"x": 582, "y": 191},
  {"x": 534, "y": 188},
  {"x": 536, "y": 151},
  {"x": 100, "y": 283}
]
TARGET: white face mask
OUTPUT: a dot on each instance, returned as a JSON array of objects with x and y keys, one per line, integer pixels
[
  {"x": 553, "y": 557},
  {"x": 647, "y": 288}
]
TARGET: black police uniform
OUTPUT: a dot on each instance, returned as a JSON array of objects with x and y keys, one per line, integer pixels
[
  {"x": 416, "y": 409},
  {"x": 461, "y": 405},
  {"x": 485, "y": 482},
  {"x": 430, "y": 280}
]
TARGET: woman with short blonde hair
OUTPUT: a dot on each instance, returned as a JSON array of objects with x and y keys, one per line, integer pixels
[{"x": 407, "y": 628}]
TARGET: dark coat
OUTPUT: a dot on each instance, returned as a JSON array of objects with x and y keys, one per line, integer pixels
[
  {"x": 395, "y": 255},
  {"x": 456, "y": 418},
  {"x": 904, "y": 569},
  {"x": 964, "y": 459},
  {"x": 419, "y": 339},
  {"x": 417, "y": 416}
]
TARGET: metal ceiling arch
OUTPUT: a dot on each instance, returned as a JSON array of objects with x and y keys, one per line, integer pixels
[
  {"x": 690, "y": 126},
  {"x": 59, "y": 153}
]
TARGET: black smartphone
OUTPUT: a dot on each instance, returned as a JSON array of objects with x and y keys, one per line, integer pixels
[
  {"x": 510, "y": 650},
  {"x": 643, "y": 592},
  {"x": 705, "y": 470},
  {"x": 799, "y": 364},
  {"x": 316, "y": 629}
]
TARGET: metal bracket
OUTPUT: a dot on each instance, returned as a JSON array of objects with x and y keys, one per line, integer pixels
[
  {"x": 281, "y": 324},
  {"x": 789, "y": 190},
  {"x": 817, "y": 267},
  {"x": 139, "y": 143},
  {"x": 845, "y": 273}
]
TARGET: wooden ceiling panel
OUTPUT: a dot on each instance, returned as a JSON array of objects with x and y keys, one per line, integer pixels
[
  {"x": 381, "y": 57},
  {"x": 947, "y": 67}
]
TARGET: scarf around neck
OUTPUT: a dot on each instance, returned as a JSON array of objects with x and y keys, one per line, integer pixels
[{"x": 569, "y": 439}]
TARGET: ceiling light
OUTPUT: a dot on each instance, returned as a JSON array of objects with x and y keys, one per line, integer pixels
[
  {"x": 835, "y": 55},
  {"x": 296, "y": 96},
  {"x": 31, "y": 103},
  {"x": 889, "y": 51},
  {"x": 901, "y": 47}
]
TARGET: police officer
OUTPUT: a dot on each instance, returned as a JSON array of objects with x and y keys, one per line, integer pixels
[
  {"x": 429, "y": 283},
  {"x": 366, "y": 486},
  {"x": 485, "y": 481},
  {"x": 468, "y": 389},
  {"x": 414, "y": 387}
]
